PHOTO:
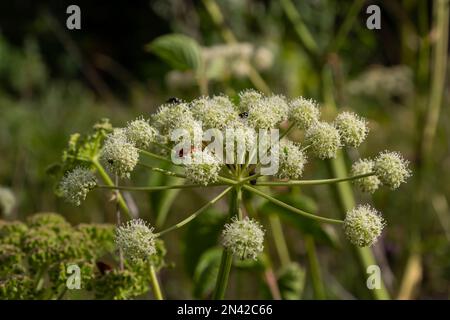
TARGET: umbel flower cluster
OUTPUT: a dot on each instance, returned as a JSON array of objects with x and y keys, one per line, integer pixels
[{"x": 124, "y": 149}]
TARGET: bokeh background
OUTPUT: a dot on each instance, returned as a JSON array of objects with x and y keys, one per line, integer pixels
[{"x": 55, "y": 81}]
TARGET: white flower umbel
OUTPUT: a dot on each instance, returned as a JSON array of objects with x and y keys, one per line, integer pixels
[
  {"x": 292, "y": 160},
  {"x": 243, "y": 238},
  {"x": 363, "y": 226},
  {"x": 170, "y": 117},
  {"x": 368, "y": 184},
  {"x": 119, "y": 154},
  {"x": 140, "y": 133},
  {"x": 136, "y": 239},
  {"x": 391, "y": 169},
  {"x": 352, "y": 128},
  {"x": 76, "y": 184},
  {"x": 204, "y": 168},
  {"x": 248, "y": 98},
  {"x": 304, "y": 112},
  {"x": 324, "y": 140}
]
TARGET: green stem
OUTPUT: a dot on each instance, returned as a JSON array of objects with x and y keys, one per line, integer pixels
[
  {"x": 314, "y": 182},
  {"x": 155, "y": 284},
  {"x": 107, "y": 179},
  {"x": 162, "y": 171},
  {"x": 227, "y": 257},
  {"x": 159, "y": 188},
  {"x": 291, "y": 208},
  {"x": 289, "y": 129},
  {"x": 319, "y": 290},
  {"x": 300, "y": 28},
  {"x": 280, "y": 241},
  {"x": 195, "y": 214}
]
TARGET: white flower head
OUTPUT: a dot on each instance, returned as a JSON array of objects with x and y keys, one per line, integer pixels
[
  {"x": 119, "y": 154},
  {"x": 352, "y": 128},
  {"x": 203, "y": 169},
  {"x": 324, "y": 140},
  {"x": 136, "y": 240},
  {"x": 304, "y": 112},
  {"x": 291, "y": 160},
  {"x": 216, "y": 112},
  {"x": 363, "y": 226},
  {"x": 76, "y": 184},
  {"x": 140, "y": 133},
  {"x": 268, "y": 112},
  {"x": 243, "y": 238},
  {"x": 392, "y": 169},
  {"x": 368, "y": 184}
]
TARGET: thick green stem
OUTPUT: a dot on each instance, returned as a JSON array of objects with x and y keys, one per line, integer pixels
[
  {"x": 291, "y": 208},
  {"x": 314, "y": 266},
  {"x": 107, "y": 180},
  {"x": 227, "y": 257},
  {"x": 155, "y": 284}
]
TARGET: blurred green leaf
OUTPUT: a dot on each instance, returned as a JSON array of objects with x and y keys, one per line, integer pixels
[
  {"x": 179, "y": 51},
  {"x": 291, "y": 281},
  {"x": 202, "y": 234},
  {"x": 205, "y": 274}
]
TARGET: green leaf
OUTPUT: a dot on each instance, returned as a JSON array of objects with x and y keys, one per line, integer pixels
[
  {"x": 205, "y": 274},
  {"x": 202, "y": 234},
  {"x": 305, "y": 225},
  {"x": 291, "y": 281},
  {"x": 179, "y": 51}
]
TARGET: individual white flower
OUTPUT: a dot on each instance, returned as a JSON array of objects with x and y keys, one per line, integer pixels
[
  {"x": 324, "y": 140},
  {"x": 304, "y": 112},
  {"x": 291, "y": 160},
  {"x": 119, "y": 154},
  {"x": 243, "y": 238},
  {"x": 368, "y": 184},
  {"x": 204, "y": 168},
  {"x": 391, "y": 169},
  {"x": 363, "y": 226},
  {"x": 352, "y": 128},
  {"x": 140, "y": 133},
  {"x": 76, "y": 184},
  {"x": 136, "y": 240}
]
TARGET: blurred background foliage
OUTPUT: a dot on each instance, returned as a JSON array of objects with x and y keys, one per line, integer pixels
[{"x": 54, "y": 82}]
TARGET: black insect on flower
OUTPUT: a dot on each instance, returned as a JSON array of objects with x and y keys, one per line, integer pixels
[
  {"x": 243, "y": 115},
  {"x": 174, "y": 100}
]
